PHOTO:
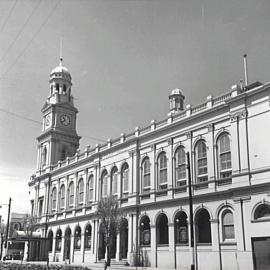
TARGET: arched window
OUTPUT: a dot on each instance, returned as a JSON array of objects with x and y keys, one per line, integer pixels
[
  {"x": 77, "y": 238},
  {"x": 201, "y": 161},
  {"x": 181, "y": 228},
  {"x": 180, "y": 167},
  {"x": 227, "y": 225},
  {"x": 88, "y": 236},
  {"x": 262, "y": 211},
  {"x": 146, "y": 175},
  {"x": 57, "y": 87},
  {"x": 114, "y": 174},
  {"x": 91, "y": 188},
  {"x": 71, "y": 194},
  {"x": 145, "y": 233},
  {"x": 54, "y": 195},
  {"x": 162, "y": 230},
  {"x": 58, "y": 240},
  {"x": 104, "y": 184},
  {"x": 203, "y": 227},
  {"x": 80, "y": 191},
  {"x": 124, "y": 178},
  {"x": 50, "y": 237},
  {"x": 162, "y": 171},
  {"x": 224, "y": 156},
  {"x": 44, "y": 156},
  {"x": 64, "y": 89},
  {"x": 62, "y": 196}
]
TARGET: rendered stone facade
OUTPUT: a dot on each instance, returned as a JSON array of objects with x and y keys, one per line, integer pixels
[{"x": 227, "y": 138}]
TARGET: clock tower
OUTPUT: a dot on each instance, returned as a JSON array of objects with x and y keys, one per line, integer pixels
[{"x": 59, "y": 138}]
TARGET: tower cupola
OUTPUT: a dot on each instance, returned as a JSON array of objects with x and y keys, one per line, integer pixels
[
  {"x": 176, "y": 101},
  {"x": 60, "y": 85}
]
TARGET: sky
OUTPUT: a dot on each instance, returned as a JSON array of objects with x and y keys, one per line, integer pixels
[{"x": 125, "y": 57}]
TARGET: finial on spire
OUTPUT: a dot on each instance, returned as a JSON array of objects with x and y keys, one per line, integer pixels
[{"x": 61, "y": 51}]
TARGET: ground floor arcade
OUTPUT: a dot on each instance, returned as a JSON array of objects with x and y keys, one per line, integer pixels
[{"x": 228, "y": 235}]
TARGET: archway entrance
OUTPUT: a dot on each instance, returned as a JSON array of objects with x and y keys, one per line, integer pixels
[
  {"x": 124, "y": 239},
  {"x": 67, "y": 244},
  {"x": 102, "y": 246}
]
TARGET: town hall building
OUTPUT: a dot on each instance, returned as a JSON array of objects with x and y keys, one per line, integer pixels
[{"x": 227, "y": 138}]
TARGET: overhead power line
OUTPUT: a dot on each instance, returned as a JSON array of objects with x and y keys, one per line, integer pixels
[
  {"x": 20, "y": 31},
  {"x": 8, "y": 16},
  {"x": 30, "y": 41},
  {"x": 40, "y": 123},
  {"x": 20, "y": 116}
]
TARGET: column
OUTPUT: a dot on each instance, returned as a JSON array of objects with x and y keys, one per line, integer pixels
[
  {"x": 210, "y": 155},
  {"x": 154, "y": 244},
  {"x": 117, "y": 253},
  {"x": 71, "y": 247},
  {"x": 76, "y": 191},
  {"x": 170, "y": 167},
  {"x": 130, "y": 238},
  {"x": 171, "y": 236},
  {"x": 53, "y": 248},
  {"x": 152, "y": 159},
  {"x": 62, "y": 245},
  {"x": 96, "y": 239},
  {"x": 82, "y": 243}
]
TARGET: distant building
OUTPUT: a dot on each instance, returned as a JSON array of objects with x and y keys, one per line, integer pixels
[{"x": 228, "y": 141}]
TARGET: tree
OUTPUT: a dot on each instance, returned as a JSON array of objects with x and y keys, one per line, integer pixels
[
  {"x": 111, "y": 216},
  {"x": 29, "y": 226}
]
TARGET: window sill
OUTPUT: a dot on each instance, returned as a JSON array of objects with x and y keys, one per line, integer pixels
[
  {"x": 228, "y": 243},
  {"x": 224, "y": 181},
  {"x": 182, "y": 244},
  {"x": 162, "y": 192},
  {"x": 145, "y": 196},
  {"x": 204, "y": 244},
  {"x": 267, "y": 219}
]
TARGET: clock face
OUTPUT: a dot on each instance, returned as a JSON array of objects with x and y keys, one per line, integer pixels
[
  {"x": 65, "y": 119},
  {"x": 47, "y": 120}
]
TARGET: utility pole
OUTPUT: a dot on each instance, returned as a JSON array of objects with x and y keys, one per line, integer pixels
[
  {"x": 192, "y": 267},
  {"x": 7, "y": 230}
]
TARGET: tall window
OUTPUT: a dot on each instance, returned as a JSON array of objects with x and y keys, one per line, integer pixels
[
  {"x": 77, "y": 238},
  {"x": 203, "y": 227},
  {"x": 201, "y": 162},
  {"x": 180, "y": 167},
  {"x": 58, "y": 240},
  {"x": 80, "y": 191},
  {"x": 124, "y": 177},
  {"x": 44, "y": 156},
  {"x": 162, "y": 171},
  {"x": 71, "y": 194},
  {"x": 62, "y": 196},
  {"x": 63, "y": 154},
  {"x": 54, "y": 195},
  {"x": 145, "y": 235},
  {"x": 146, "y": 175},
  {"x": 224, "y": 156},
  {"x": 88, "y": 236},
  {"x": 104, "y": 185},
  {"x": 162, "y": 230},
  {"x": 114, "y": 181},
  {"x": 227, "y": 225},
  {"x": 181, "y": 228},
  {"x": 91, "y": 188}
]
